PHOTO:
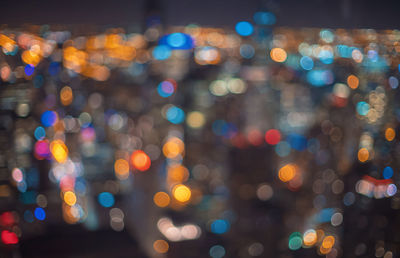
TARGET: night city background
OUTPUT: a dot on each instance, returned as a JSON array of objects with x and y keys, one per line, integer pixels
[{"x": 258, "y": 128}]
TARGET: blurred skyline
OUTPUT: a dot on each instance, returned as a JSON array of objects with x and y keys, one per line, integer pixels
[{"x": 168, "y": 129}]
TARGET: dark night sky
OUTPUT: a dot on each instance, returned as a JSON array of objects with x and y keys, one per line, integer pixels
[{"x": 224, "y": 13}]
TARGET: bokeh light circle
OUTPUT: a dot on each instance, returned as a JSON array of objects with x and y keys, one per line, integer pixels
[{"x": 244, "y": 28}]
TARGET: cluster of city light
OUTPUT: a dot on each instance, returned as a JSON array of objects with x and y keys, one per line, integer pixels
[
  {"x": 376, "y": 188},
  {"x": 88, "y": 55},
  {"x": 65, "y": 172},
  {"x": 174, "y": 233},
  {"x": 325, "y": 243},
  {"x": 84, "y": 55},
  {"x": 117, "y": 219},
  {"x": 366, "y": 150},
  {"x": 226, "y": 86},
  {"x": 66, "y": 175},
  {"x": 177, "y": 174},
  {"x": 291, "y": 174}
]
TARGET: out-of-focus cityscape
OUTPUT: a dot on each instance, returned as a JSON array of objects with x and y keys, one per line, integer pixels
[{"x": 247, "y": 138}]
